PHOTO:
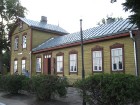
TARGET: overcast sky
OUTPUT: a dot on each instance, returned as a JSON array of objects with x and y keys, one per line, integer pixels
[{"x": 67, "y": 13}]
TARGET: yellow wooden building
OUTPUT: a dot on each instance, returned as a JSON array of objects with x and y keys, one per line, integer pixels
[{"x": 43, "y": 48}]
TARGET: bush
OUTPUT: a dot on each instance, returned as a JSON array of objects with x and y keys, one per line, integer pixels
[
  {"x": 12, "y": 83},
  {"x": 113, "y": 89},
  {"x": 45, "y": 86},
  {"x": 26, "y": 83},
  {"x": 0, "y": 82}
]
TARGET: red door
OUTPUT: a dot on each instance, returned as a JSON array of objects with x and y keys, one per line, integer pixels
[{"x": 45, "y": 65}]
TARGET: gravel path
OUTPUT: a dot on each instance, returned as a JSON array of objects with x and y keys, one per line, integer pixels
[{"x": 72, "y": 98}]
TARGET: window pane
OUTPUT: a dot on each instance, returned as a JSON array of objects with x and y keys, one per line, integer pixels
[
  {"x": 73, "y": 62},
  {"x": 23, "y": 66},
  {"x": 38, "y": 65},
  {"x": 97, "y": 60},
  {"x": 117, "y": 59},
  {"x": 16, "y": 44},
  {"x": 24, "y": 41},
  {"x": 59, "y": 63},
  {"x": 15, "y": 66}
]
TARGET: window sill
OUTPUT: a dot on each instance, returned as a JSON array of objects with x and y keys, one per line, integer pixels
[
  {"x": 73, "y": 72},
  {"x": 97, "y": 71},
  {"x": 24, "y": 48},
  {"x": 117, "y": 71},
  {"x": 38, "y": 71},
  {"x": 59, "y": 72}
]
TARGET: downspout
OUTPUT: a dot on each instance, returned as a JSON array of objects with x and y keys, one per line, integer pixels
[
  {"x": 134, "y": 44},
  {"x": 30, "y": 63}
]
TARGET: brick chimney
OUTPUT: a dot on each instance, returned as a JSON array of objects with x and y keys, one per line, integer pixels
[{"x": 43, "y": 19}]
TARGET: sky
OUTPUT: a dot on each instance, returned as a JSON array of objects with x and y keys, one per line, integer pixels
[{"x": 67, "y": 13}]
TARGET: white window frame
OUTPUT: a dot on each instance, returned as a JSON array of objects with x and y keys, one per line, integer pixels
[
  {"x": 117, "y": 59},
  {"x": 59, "y": 64},
  {"x": 73, "y": 62},
  {"x": 97, "y": 61},
  {"x": 15, "y": 65},
  {"x": 23, "y": 65},
  {"x": 24, "y": 40},
  {"x": 38, "y": 64},
  {"x": 16, "y": 43}
]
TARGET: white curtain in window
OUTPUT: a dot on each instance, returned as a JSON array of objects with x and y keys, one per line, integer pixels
[
  {"x": 24, "y": 41},
  {"x": 59, "y": 63},
  {"x": 97, "y": 60},
  {"x": 117, "y": 63},
  {"x": 16, "y": 44},
  {"x": 15, "y": 66},
  {"x": 38, "y": 65},
  {"x": 73, "y": 62},
  {"x": 23, "y": 66}
]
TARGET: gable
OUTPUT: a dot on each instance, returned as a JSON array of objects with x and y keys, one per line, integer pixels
[{"x": 17, "y": 28}]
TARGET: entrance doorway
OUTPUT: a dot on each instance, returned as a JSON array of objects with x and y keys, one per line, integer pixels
[{"x": 47, "y": 64}]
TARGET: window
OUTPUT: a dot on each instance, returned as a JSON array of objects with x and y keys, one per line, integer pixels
[
  {"x": 117, "y": 59},
  {"x": 24, "y": 41},
  {"x": 97, "y": 60},
  {"x": 59, "y": 63},
  {"x": 20, "y": 25},
  {"x": 73, "y": 62},
  {"x": 16, "y": 44},
  {"x": 23, "y": 65},
  {"x": 38, "y": 64},
  {"x": 15, "y": 65}
]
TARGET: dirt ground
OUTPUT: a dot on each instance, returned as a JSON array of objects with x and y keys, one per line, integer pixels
[{"x": 72, "y": 98}]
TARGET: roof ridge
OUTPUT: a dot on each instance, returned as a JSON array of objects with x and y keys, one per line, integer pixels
[{"x": 46, "y": 26}]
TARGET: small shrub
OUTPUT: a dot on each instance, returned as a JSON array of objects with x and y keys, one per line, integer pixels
[
  {"x": 113, "y": 89},
  {"x": 26, "y": 84},
  {"x": 0, "y": 82},
  {"x": 12, "y": 83},
  {"x": 45, "y": 86}
]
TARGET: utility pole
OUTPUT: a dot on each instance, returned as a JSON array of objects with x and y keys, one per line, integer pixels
[{"x": 82, "y": 55}]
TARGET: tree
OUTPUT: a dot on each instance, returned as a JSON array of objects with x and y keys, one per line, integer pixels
[
  {"x": 134, "y": 7},
  {"x": 104, "y": 21},
  {"x": 9, "y": 12}
]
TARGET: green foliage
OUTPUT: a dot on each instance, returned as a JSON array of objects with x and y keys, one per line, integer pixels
[
  {"x": 45, "y": 86},
  {"x": 26, "y": 83},
  {"x": 104, "y": 20},
  {"x": 9, "y": 11},
  {"x": 134, "y": 7},
  {"x": 12, "y": 83},
  {"x": 110, "y": 89},
  {"x": 6, "y": 61},
  {"x": 0, "y": 81}
]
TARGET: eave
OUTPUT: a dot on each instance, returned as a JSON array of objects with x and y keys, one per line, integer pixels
[
  {"x": 50, "y": 31},
  {"x": 85, "y": 42}
]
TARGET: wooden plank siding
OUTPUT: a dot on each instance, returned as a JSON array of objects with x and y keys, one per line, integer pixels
[
  {"x": 25, "y": 52},
  {"x": 33, "y": 39},
  {"x": 128, "y": 55},
  {"x": 39, "y": 37}
]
